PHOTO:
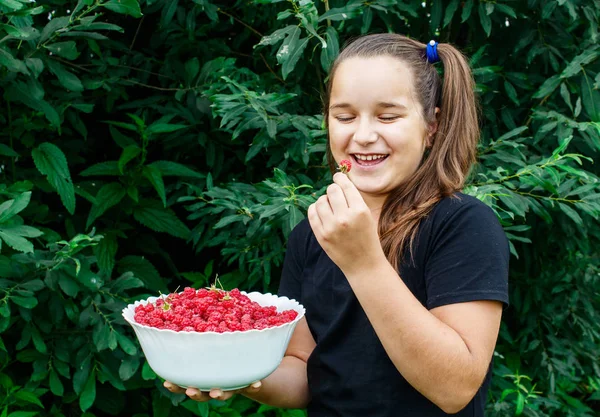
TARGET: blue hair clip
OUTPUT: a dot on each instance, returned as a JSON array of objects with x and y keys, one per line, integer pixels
[{"x": 432, "y": 55}]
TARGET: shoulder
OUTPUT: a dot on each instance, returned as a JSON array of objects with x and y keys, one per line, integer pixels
[
  {"x": 460, "y": 208},
  {"x": 463, "y": 220}
]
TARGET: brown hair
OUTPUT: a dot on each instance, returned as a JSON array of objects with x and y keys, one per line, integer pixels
[{"x": 454, "y": 144}]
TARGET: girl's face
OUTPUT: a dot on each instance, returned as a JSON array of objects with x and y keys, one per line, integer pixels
[{"x": 376, "y": 121}]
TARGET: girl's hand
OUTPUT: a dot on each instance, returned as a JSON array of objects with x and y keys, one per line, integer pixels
[
  {"x": 213, "y": 394},
  {"x": 344, "y": 226}
]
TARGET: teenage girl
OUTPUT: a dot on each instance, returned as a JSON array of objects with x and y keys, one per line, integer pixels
[{"x": 403, "y": 277}]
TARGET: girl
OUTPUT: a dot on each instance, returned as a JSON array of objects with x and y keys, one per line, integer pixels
[{"x": 403, "y": 277}]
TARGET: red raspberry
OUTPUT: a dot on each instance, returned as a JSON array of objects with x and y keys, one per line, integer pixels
[{"x": 345, "y": 166}]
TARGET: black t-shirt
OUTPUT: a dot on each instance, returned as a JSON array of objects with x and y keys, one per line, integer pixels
[{"x": 461, "y": 254}]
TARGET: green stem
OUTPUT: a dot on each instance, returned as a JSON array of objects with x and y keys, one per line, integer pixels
[{"x": 326, "y": 10}]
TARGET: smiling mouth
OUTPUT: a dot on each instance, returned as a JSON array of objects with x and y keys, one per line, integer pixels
[{"x": 369, "y": 160}]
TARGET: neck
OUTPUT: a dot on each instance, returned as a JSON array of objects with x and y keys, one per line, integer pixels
[{"x": 375, "y": 204}]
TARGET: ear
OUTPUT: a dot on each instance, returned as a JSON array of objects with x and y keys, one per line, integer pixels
[{"x": 432, "y": 128}]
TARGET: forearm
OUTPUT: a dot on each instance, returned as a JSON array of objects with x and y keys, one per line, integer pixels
[
  {"x": 429, "y": 354},
  {"x": 286, "y": 387}
]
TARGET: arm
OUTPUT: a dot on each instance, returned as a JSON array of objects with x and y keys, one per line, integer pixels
[
  {"x": 287, "y": 387},
  {"x": 443, "y": 353}
]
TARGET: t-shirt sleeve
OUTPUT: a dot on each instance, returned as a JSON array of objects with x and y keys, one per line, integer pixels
[
  {"x": 290, "y": 285},
  {"x": 468, "y": 257}
]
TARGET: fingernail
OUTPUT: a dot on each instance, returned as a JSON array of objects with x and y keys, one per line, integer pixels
[
  {"x": 256, "y": 385},
  {"x": 215, "y": 394}
]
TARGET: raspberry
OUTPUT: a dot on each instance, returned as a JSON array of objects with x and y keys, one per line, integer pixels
[
  {"x": 210, "y": 310},
  {"x": 345, "y": 166}
]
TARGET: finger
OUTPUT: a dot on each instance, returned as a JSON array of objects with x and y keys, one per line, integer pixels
[
  {"x": 173, "y": 388},
  {"x": 221, "y": 395},
  {"x": 197, "y": 395},
  {"x": 351, "y": 193},
  {"x": 325, "y": 213},
  {"x": 254, "y": 387},
  {"x": 314, "y": 220},
  {"x": 337, "y": 199}
]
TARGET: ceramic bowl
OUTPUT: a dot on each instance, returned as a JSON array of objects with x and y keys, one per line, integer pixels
[{"x": 229, "y": 360}]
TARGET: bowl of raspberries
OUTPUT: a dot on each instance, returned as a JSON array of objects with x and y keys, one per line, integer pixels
[{"x": 212, "y": 338}]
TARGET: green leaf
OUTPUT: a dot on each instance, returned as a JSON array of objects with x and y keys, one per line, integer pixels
[
  {"x": 51, "y": 161},
  {"x": 52, "y": 26},
  {"x": 330, "y": 53},
  {"x": 11, "y": 207},
  {"x": 154, "y": 176},
  {"x": 590, "y": 99},
  {"x": 548, "y": 87},
  {"x": 450, "y": 10},
  {"x": 277, "y": 36},
  {"x": 29, "y": 397},
  {"x": 12, "y": 4},
  {"x": 16, "y": 242},
  {"x": 68, "y": 285},
  {"x": 25, "y": 231},
  {"x": 577, "y": 64},
  {"x": 19, "y": 91},
  {"x": 506, "y": 10},
  {"x": 105, "y": 252},
  {"x": 126, "y": 344},
  {"x": 33, "y": 285},
  {"x": 466, "y": 11},
  {"x": 147, "y": 372},
  {"x": 108, "y": 196},
  {"x": 67, "y": 50},
  {"x": 130, "y": 7},
  {"x": 161, "y": 220},
  {"x": 23, "y": 413},
  {"x": 35, "y": 65},
  {"x": 129, "y": 153},
  {"x": 290, "y": 52},
  {"x": 102, "y": 168},
  {"x": 512, "y": 133},
  {"x": 163, "y": 128},
  {"x": 100, "y": 336},
  {"x": 129, "y": 367},
  {"x": 81, "y": 374},
  {"x": 484, "y": 19},
  {"x": 12, "y": 64},
  {"x": 144, "y": 270},
  {"x": 56, "y": 386},
  {"x": 340, "y": 13},
  {"x": 88, "y": 395},
  {"x": 67, "y": 79},
  {"x": 437, "y": 8},
  {"x": 7, "y": 151},
  {"x": 98, "y": 26},
  {"x": 573, "y": 215},
  {"x": 175, "y": 169},
  {"x": 26, "y": 302},
  {"x": 511, "y": 92}
]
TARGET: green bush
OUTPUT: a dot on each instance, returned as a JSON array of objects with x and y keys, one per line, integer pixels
[{"x": 154, "y": 144}]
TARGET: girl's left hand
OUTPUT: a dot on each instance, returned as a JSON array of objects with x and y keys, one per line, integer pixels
[{"x": 344, "y": 226}]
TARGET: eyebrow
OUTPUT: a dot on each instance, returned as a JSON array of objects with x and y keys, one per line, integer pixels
[{"x": 383, "y": 104}]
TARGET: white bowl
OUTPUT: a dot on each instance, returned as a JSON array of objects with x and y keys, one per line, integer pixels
[{"x": 229, "y": 360}]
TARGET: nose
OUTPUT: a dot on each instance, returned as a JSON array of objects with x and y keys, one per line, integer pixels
[{"x": 365, "y": 133}]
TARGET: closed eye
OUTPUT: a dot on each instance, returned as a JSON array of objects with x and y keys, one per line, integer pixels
[{"x": 344, "y": 119}]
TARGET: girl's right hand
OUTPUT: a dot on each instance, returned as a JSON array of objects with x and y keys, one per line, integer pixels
[{"x": 214, "y": 394}]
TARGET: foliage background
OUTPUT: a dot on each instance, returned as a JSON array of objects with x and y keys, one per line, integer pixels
[{"x": 153, "y": 144}]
